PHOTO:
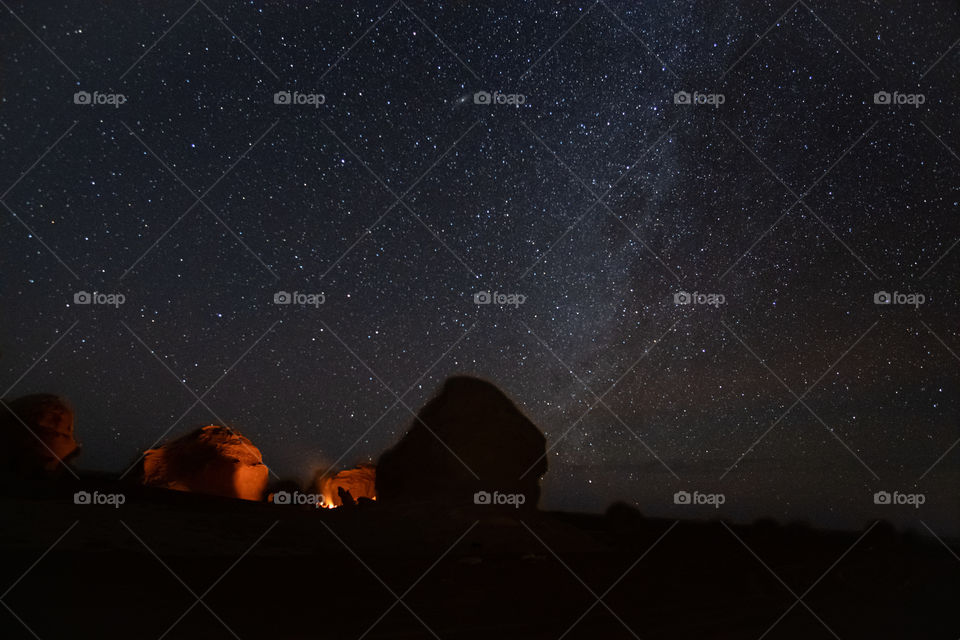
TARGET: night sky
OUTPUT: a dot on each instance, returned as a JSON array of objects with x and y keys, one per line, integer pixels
[{"x": 599, "y": 199}]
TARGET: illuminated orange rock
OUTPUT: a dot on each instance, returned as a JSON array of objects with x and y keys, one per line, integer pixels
[
  {"x": 360, "y": 482},
  {"x": 212, "y": 460},
  {"x": 476, "y": 429},
  {"x": 38, "y": 434}
]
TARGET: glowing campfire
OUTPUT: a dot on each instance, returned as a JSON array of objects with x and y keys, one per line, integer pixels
[{"x": 356, "y": 483}]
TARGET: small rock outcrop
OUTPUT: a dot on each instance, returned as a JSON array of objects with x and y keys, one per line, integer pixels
[
  {"x": 476, "y": 446},
  {"x": 36, "y": 434},
  {"x": 359, "y": 482},
  {"x": 212, "y": 460}
]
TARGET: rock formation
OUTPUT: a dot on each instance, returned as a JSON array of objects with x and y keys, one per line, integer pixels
[
  {"x": 359, "y": 482},
  {"x": 212, "y": 460},
  {"x": 36, "y": 434},
  {"x": 482, "y": 433}
]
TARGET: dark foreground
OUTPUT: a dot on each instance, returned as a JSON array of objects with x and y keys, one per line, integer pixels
[{"x": 183, "y": 566}]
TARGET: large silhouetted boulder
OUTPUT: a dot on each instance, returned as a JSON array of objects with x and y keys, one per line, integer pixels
[
  {"x": 470, "y": 438},
  {"x": 36, "y": 434},
  {"x": 213, "y": 460}
]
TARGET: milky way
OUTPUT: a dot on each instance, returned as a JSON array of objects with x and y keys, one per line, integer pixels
[{"x": 589, "y": 163}]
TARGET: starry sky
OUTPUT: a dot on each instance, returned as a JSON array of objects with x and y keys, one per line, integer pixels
[{"x": 598, "y": 199}]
